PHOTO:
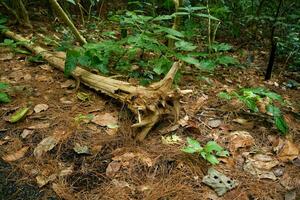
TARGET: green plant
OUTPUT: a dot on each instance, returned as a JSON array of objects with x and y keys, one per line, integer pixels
[
  {"x": 209, "y": 152},
  {"x": 260, "y": 99},
  {"x": 14, "y": 46},
  {"x": 4, "y": 97}
]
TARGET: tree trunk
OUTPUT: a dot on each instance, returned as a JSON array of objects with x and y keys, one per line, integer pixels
[
  {"x": 149, "y": 104},
  {"x": 58, "y": 9}
]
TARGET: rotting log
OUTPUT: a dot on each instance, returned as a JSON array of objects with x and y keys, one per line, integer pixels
[{"x": 149, "y": 104}]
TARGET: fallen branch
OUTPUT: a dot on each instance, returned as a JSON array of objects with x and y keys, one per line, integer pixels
[{"x": 149, "y": 104}]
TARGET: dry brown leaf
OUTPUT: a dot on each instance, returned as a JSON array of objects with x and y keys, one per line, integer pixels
[
  {"x": 288, "y": 151},
  {"x": 214, "y": 123},
  {"x": 196, "y": 106},
  {"x": 6, "y": 56},
  {"x": 68, "y": 84},
  {"x": 16, "y": 155},
  {"x": 48, "y": 143},
  {"x": 129, "y": 156},
  {"x": 260, "y": 166},
  {"x": 40, "y": 107},
  {"x": 39, "y": 126},
  {"x": 43, "y": 78},
  {"x": 46, "y": 67},
  {"x": 240, "y": 139},
  {"x": 244, "y": 122},
  {"x": 27, "y": 77},
  {"x": 3, "y": 142},
  {"x": 113, "y": 168},
  {"x": 44, "y": 180},
  {"x": 107, "y": 119},
  {"x": 26, "y": 132}
]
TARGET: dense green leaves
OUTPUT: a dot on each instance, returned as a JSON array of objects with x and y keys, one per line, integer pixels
[
  {"x": 252, "y": 97},
  {"x": 4, "y": 97},
  {"x": 209, "y": 152}
]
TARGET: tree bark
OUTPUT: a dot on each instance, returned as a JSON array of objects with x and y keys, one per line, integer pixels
[{"x": 149, "y": 104}]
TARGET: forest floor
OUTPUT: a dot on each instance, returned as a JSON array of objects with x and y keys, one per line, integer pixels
[{"x": 59, "y": 151}]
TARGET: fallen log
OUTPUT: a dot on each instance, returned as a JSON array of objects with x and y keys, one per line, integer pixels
[{"x": 149, "y": 104}]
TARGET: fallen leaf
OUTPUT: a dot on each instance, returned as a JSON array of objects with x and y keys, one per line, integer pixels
[
  {"x": 219, "y": 182},
  {"x": 172, "y": 139},
  {"x": 239, "y": 139},
  {"x": 65, "y": 100},
  {"x": 129, "y": 156},
  {"x": 48, "y": 143},
  {"x": 44, "y": 180},
  {"x": 43, "y": 78},
  {"x": 183, "y": 121},
  {"x": 3, "y": 142},
  {"x": 27, "y": 77},
  {"x": 79, "y": 149},
  {"x": 244, "y": 122},
  {"x": 107, "y": 119},
  {"x": 46, "y": 67},
  {"x": 288, "y": 151},
  {"x": 68, "y": 84},
  {"x": 196, "y": 106},
  {"x": 6, "y": 56},
  {"x": 25, "y": 133},
  {"x": 40, "y": 107},
  {"x": 260, "y": 166},
  {"x": 120, "y": 184},
  {"x": 66, "y": 171},
  {"x": 18, "y": 115},
  {"x": 16, "y": 155},
  {"x": 39, "y": 126},
  {"x": 113, "y": 168},
  {"x": 215, "y": 123}
]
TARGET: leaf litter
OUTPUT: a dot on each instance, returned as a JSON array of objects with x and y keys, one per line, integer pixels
[{"x": 107, "y": 161}]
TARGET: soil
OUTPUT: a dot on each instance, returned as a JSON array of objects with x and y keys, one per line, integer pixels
[{"x": 117, "y": 167}]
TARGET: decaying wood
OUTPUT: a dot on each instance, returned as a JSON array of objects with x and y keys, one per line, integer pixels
[{"x": 149, "y": 104}]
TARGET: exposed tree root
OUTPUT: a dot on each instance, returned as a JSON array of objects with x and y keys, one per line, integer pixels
[{"x": 149, "y": 104}]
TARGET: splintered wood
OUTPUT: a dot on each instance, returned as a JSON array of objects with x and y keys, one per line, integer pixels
[{"x": 149, "y": 104}]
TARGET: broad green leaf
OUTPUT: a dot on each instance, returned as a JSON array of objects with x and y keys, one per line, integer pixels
[
  {"x": 18, "y": 115},
  {"x": 206, "y": 16},
  {"x": 281, "y": 124},
  {"x": 181, "y": 13},
  {"x": 217, "y": 47},
  {"x": 72, "y": 2},
  {"x": 163, "y": 17},
  {"x": 4, "y": 98},
  {"x": 250, "y": 103},
  {"x": 212, "y": 146},
  {"x": 3, "y": 85},
  {"x": 224, "y": 95},
  {"x": 275, "y": 111},
  {"x": 207, "y": 65},
  {"x": 189, "y": 150},
  {"x": 226, "y": 60},
  {"x": 171, "y": 31},
  {"x": 71, "y": 61},
  {"x": 212, "y": 159},
  {"x": 223, "y": 153},
  {"x": 193, "y": 143},
  {"x": 185, "y": 46},
  {"x": 189, "y": 60}
]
